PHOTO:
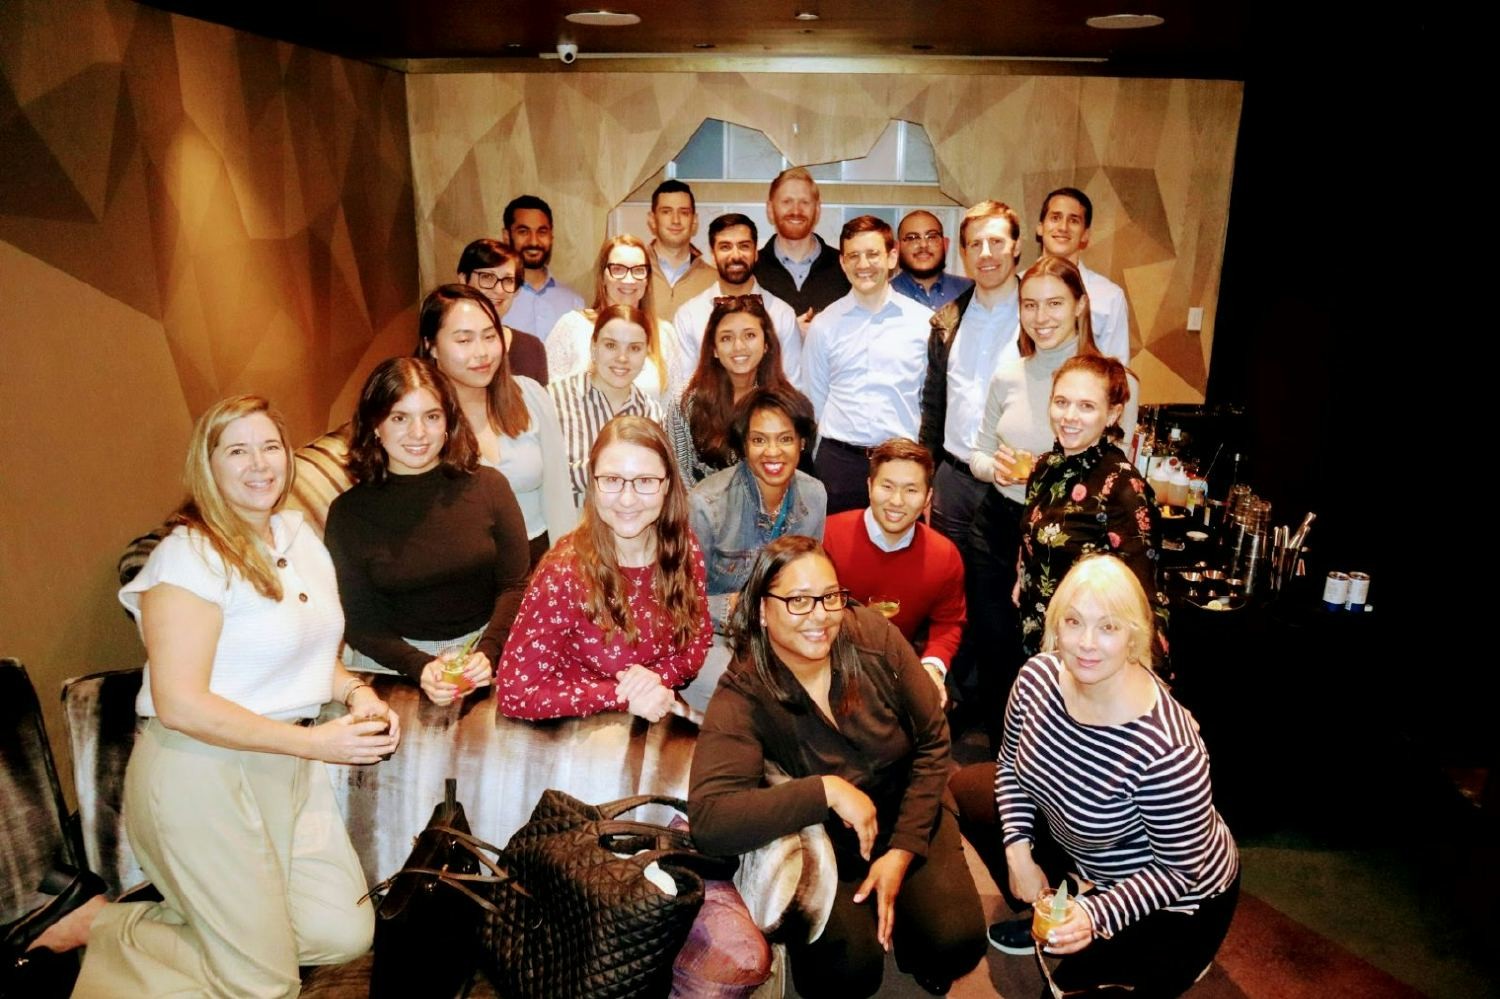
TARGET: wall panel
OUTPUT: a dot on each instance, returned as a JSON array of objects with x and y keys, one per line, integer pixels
[
  {"x": 1156, "y": 156},
  {"x": 186, "y": 212}
]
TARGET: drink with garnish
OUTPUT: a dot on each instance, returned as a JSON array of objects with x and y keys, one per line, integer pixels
[
  {"x": 887, "y": 607},
  {"x": 455, "y": 661},
  {"x": 1053, "y": 907}
]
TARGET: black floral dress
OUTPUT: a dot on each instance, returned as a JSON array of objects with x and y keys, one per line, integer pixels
[{"x": 1092, "y": 501}]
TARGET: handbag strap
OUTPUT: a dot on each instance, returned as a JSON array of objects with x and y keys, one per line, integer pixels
[
  {"x": 613, "y": 809},
  {"x": 659, "y": 837}
]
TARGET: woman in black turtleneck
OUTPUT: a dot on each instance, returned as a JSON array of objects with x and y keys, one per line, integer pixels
[{"x": 430, "y": 546}]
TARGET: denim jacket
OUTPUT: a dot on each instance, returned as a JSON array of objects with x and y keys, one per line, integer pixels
[{"x": 732, "y": 527}]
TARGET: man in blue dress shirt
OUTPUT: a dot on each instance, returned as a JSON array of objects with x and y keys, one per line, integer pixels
[
  {"x": 540, "y": 300},
  {"x": 863, "y": 363},
  {"x": 924, "y": 257}
]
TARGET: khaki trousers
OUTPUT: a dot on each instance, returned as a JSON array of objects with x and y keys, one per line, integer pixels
[{"x": 253, "y": 861}]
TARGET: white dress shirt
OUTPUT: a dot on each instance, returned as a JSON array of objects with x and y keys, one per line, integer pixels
[
  {"x": 986, "y": 339},
  {"x": 691, "y": 321},
  {"x": 1109, "y": 313}
]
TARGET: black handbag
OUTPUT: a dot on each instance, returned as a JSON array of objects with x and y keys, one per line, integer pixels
[
  {"x": 570, "y": 910},
  {"x": 426, "y": 930}
]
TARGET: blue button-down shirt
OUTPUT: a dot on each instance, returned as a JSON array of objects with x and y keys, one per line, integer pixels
[
  {"x": 986, "y": 339},
  {"x": 798, "y": 269},
  {"x": 945, "y": 289},
  {"x": 536, "y": 312},
  {"x": 863, "y": 370}
]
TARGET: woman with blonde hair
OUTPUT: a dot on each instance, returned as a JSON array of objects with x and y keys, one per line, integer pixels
[
  {"x": 622, "y": 276},
  {"x": 616, "y": 616},
  {"x": 1094, "y": 741},
  {"x": 225, "y": 788}
]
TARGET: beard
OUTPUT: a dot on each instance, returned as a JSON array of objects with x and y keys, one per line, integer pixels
[
  {"x": 924, "y": 273},
  {"x": 737, "y": 272},
  {"x": 536, "y": 258}
]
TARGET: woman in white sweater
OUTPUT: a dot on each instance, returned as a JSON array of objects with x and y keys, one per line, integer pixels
[
  {"x": 622, "y": 276},
  {"x": 513, "y": 418}
]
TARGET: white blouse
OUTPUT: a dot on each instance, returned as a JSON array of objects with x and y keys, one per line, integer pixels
[{"x": 273, "y": 657}]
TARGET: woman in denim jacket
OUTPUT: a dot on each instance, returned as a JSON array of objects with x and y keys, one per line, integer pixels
[{"x": 739, "y": 510}]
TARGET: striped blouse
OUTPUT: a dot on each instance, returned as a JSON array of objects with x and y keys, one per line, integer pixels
[
  {"x": 1132, "y": 804},
  {"x": 582, "y": 411}
]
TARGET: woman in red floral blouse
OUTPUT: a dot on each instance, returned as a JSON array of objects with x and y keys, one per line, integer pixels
[
  {"x": 1084, "y": 495},
  {"x": 616, "y": 615}
]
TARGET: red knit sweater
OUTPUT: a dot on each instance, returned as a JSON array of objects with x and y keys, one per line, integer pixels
[{"x": 927, "y": 576}]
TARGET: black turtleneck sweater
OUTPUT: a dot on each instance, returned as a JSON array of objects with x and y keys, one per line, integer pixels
[{"x": 428, "y": 557}]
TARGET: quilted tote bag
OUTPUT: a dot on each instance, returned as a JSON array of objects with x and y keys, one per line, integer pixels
[{"x": 583, "y": 903}]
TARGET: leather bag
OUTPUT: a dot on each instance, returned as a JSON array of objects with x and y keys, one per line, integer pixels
[
  {"x": 582, "y": 903},
  {"x": 426, "y": 930}
]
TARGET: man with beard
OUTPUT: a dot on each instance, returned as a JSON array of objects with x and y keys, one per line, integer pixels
[
  {"x": 897, "y": 565},
  {"x": 731, "y": 240},
  {"x": 796, "y": 265},
  {"x": 1066, "y": 223},
  {"x": 924, "y": 254},
  {"x": 863, "y": 364},
  {"x": 678, "y": 270},
  {"x": 540, "y": 300}
]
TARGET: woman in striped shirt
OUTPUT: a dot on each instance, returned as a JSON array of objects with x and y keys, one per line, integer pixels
[{"x": 1095, "y": 744}]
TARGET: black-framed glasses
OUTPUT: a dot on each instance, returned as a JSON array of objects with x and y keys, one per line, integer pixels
[
  {"x": 913, "y": 238},
  {"x": 618, "y": 271},
  {"x": 488, "y": 279},
  {"x": 641, "y": 485},
  {"x": 801, "y": 604}
]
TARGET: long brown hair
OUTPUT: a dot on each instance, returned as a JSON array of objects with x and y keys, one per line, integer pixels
[
  {"x": 504, "y": 404},
  {"x": 392, "y": 379},
  {"x": 709, "y": 395},
  {"x": 208, "y": 513},
  {"x": 1061, "y": 268},
  {"x": 647, "y": 304},
  {"x": 591, "y": 545}
]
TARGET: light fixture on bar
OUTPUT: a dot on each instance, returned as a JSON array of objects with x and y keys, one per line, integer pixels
[
  {"x": 603, "y": 18},
  {"x": 1121, "y": 22}
]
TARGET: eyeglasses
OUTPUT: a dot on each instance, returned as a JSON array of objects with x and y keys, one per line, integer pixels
[
  {"x": 802, "y": 603},
  {"x": 641, "y": 485},
  {"x": 737, "y": 301},
  {"x": 618, "y": 271},
  {"x": 913, "y": 238},
  {"x": 865, "y": 256},
  {"x": 488, "y": 280}
]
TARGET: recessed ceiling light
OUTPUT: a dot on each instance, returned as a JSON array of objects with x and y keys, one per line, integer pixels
[
  {"x": 1121, "y": 21},
  {"x": 806, "y": 15},
  {"x": 703, "y": 45},
  {"x": 922, "y": 47},
  {"x": 603, "y": 18}
]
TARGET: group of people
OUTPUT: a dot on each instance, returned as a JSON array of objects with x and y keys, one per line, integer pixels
[{"x": 707, "y": 491}]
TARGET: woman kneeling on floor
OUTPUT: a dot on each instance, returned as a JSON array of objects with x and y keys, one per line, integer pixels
[{"x": 834, "y": 696}]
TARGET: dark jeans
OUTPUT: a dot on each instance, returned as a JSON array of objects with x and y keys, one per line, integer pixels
[
  {"x": 844, "y": 470},
  {"x": 1158, "y": 956},
  {"x": 994, "y": 629},
  {"x": 939, "y": 931}
]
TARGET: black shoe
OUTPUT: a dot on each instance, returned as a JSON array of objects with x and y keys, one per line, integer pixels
[
  {"x": 1012, "y": 936},
  {"x": 933, "y": 987}
]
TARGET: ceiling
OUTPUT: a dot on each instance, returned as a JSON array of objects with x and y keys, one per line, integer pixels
[{"x": 1198, "y": 39}]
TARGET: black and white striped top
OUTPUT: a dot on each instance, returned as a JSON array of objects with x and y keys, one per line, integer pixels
[
  {"x": 1132, "y": 804},
  {"x": 582, "y": 411}
]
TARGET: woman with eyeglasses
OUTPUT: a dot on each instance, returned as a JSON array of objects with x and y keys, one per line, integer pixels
[
  {"x": 429, "y": 545},
  {"x": 740, "y": 353},
  {"x": 493, "y": 268},
  {"x": 616, "y": 616},
  {"x": 834, "y": 697},
  {"x": 622, "y": 276},
  {"x": 512, "y": 417}
]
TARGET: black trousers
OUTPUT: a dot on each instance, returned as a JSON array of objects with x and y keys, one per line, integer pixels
[
  {"x": 844, "y": 470},
  {"x": 939, "y": 931},
  {"x": 994, "y": 629},
  {"x": 1158, "y": 956}
]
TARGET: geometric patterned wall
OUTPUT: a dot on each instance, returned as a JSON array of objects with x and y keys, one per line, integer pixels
[
  {"x": 186, "y": 211},
  {"x": 1156, "y": 157}
]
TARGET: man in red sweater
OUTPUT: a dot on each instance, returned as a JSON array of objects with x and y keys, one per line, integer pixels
[{"x": 894, "y": 563}]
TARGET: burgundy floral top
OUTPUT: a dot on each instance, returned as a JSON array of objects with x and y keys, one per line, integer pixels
[
  {"x": 1092, "y": 501},
  {"x": 558, "y": 662}
]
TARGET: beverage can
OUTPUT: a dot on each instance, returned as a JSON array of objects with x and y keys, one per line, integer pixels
[
  {"x": 1359, "y": 591},
  {"x": 1336, "y": 591}
]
